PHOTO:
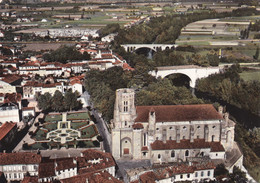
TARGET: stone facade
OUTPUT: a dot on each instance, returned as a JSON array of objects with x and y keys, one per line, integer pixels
[{"x": 167, "y": 134}]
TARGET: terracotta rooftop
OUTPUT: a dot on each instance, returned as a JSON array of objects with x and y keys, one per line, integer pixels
[
  {"x": 127, "y": 67},
  {"x": 138, "y": 126},
  {"x": 5, "y": 129},
  {"x": 10, "y": 78},
  {"x": 174, "y": 113},
  {"x": 186, "y": 144},
  {"x": 46, "y": 168},
  {"x": 12, "y": 97},
  {"x": 85, "y": 165},
  {"x": 30, "y": 180},
  {"x": 37, "y": 84},
  {"x": 19, "y": 158},
  {"x": 169, "y": 171},
  {"x": 27, "y": 108},
  {"x": 75, "y": 81},
  {"x": 92, "y": 177},
  {"x": 65, "y": 163}
]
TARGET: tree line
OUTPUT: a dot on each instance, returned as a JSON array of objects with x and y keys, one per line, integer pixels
[
  {"x": 59, "y": 102},
  {"x": 65, "y": 54},
  {"x": 166, "y": 29},
  {"x": 229, "y": 87}
]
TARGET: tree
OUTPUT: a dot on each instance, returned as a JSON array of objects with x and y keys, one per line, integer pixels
[
  {"x": 256, "y": 53},
  {"x": 70, "y": 100},
  {"x": 58, "y": 101},
  {"x": 65, "y": 54},
  {"x": 44, "y": 102},
  {"x": 6, "y": 51},
  {"x": 238, "y": 175},
  {"x": 110, "y": 28}
]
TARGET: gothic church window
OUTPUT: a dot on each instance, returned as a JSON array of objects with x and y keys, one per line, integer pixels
[
  {"x": 212, "y": 138},
  {"x": 187, "y": 153},
  {"x": 125, "y": 106},
  {"x": 208, "y": 173},
  {"x": 159, "y": 156},
  {"x": 172, "y": 154}
]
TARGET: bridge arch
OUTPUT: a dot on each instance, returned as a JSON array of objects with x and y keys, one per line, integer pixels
[
  {"x": 154, "y": 47},
  {"x": 192, "y": 71},
  {"x": 180, "y": 79},
  {"x": 145, "y": 47}
]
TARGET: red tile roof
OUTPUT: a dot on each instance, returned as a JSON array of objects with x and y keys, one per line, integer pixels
[
  {"x": 46, "y": 168},
  {"x": 5, "y": 129},
  {"x": 92, "y": 177},
  {"x": 12, "y": 97},
  {"x": 138, "y": 126},
  {"x": 169, "y": 171},
  {"x": 84, "y": 164},
  {"x": 127, "y": 67},
  {"x": 10, "y": 78},
  {"x": 27, "y": 108},
  {"x": 75, "y": 81},
  {"x": 19, "y": 158},
  {"x": 174, "y": 113},
  {"x": 144, "y": 148},
  {"x": 186, "y": 144},
  {"x": 30, "y": 180},
  {"x": 65, "y": 163}
]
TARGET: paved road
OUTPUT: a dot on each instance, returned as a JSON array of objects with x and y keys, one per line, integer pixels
[
  {"x": 101, "y": 124},
  {"x": 27, "y": 138}
]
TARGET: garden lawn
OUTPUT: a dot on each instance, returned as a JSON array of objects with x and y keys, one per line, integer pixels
[{"x": 89, "y": 132}]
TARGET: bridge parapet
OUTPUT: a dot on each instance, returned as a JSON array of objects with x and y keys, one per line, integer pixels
[
  {"x": 154, "y": 47},
  {"x": 192, "y": 71}
]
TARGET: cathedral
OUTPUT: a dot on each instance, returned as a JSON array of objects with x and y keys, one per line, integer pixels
[{"x": 169, "y": 133}]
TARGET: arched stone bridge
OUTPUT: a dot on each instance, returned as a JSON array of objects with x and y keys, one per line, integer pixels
[
  {"x": 192, "y": 71},
  {"x": 154, "y": 47}
]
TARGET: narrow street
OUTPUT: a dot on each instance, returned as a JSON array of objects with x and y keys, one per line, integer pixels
[
  {"x": 101, "y": 124},
  {"x": 27, "y": 138}
]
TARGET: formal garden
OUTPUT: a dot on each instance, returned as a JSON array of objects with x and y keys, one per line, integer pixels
[{"x": 76, "y": 130}]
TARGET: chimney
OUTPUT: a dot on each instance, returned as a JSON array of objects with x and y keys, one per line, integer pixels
[
  {"x": 178, "y": 138},
  {"x": 226, "y": 116},
  {"x": 164, "y": 139},
  {"x": 192, "y": 138},
  {"x": 220, "y": 110}
]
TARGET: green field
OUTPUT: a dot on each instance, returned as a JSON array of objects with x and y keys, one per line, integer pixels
[
  {"x": 241, "y": 19},
  {"x": 250, "y": 75}
]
